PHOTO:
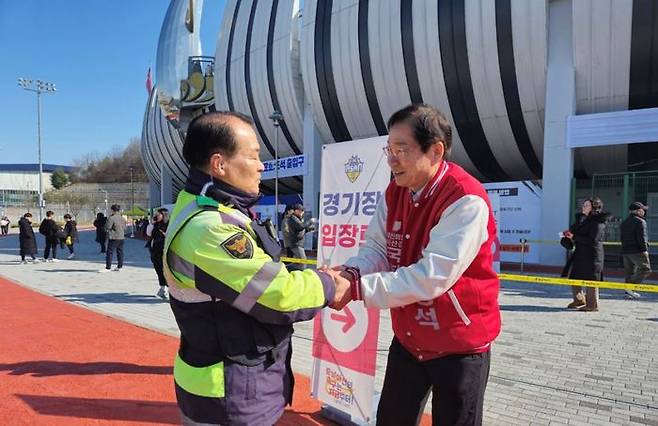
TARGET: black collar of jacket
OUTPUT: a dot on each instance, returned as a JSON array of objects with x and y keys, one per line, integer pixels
[{"x": 221, "y": 192}]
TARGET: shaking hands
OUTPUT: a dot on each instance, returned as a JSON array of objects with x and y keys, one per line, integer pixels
[{"x": 344, "y": 283}]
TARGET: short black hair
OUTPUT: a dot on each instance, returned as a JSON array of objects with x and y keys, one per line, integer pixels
[
  {"x": 115, "y": 207},
  {"x": 428, "y": 123},
  {"x": 209, "y": 134},
  {"x": 50, "y": 213},
  {"x": 68, "y": 216},
  {"x": 597, "y": 204},
  {"x": 28, "y": 214}
]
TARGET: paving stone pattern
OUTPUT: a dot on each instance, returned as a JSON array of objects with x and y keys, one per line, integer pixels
[{"x": 549, "y": 365}]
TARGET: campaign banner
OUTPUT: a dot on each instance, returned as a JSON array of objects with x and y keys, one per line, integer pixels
[
  {"x": 353, "y": 180},
  {"x": 518, "y": 218},
  {"x": 288, "y": 166}
]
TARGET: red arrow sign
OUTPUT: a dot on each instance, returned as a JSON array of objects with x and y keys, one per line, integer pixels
[{"x": 348, "y": 318}]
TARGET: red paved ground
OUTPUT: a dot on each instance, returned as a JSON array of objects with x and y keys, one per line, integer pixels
[{"x": 61, "y": 364}]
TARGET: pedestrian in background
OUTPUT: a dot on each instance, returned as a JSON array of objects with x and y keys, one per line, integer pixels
[
  {"x": 297, "y": 229},
  {"x": 101, "y": 233},
  {"x": 587, "y": 260},
  {"x": 26, "y": 238},
  {"x": 4, "y": 225},
  {"x": 50, "y": 230},
  {"x": 635, "y": 246},
  {"x": 157, "y": 235},
  {"x": 70, "y": 234},
  {"x": 116, "y": 229}
]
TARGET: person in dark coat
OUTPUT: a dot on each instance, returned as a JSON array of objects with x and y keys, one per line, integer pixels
[
  {"x": 635, "y": 246},
  {"x": 101, "y": 233},
  {"x": 49, "y": 229},
  {"x": 157, "y": 234},
  {"x": 587, "y": 259},
  {"x": 26, "y": 238},
  {"x": 70, "y": 234}
]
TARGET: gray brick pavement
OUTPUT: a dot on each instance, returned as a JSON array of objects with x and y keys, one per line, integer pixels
[{"x": 549, "y": 366}]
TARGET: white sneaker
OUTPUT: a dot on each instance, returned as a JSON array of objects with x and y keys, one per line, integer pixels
[
  {"x": 630, "y": 294},
  {"x": 117, "y": 269},
  {"x": 35, "y": 261},
  {"x": 23, "y": 262},
  {"x": 54, "y": 260},
  {"x": 71, "y": 256},
  {"x": 49, "y": 260},
  {"x": 100, "y": 271}
]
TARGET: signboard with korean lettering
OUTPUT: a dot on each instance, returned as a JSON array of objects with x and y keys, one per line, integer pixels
[
  {"x": 288, "y": 166},
  {"x": 518, "y": 218},
  {"x": 354, "y": 177}
]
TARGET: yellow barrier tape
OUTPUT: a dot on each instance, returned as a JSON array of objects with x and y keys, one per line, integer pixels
[
  {"x": 605, "y": 243},
  {"x": 302, "y": 261},
  {"x": 649, "y": 288},
  {"x": 585, "y": 283}
]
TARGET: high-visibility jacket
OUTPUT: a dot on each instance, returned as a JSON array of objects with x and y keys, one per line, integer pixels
[{"x": 234, "y": 304}]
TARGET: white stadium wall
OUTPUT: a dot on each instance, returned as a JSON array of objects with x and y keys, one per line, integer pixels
[{"x": 352, "y": 63}]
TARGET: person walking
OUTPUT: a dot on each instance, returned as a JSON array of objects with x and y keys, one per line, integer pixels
[
  {"x": 70, "y": 234},
  {"x": 587, "y": 260},
  {"x": 26, "y": 238},
  {"x": 295, "y": 230},
  {"x": 635, "y": 247},
  {"x": 156, "y": 246},
  {"x": 428, "y": 258},
  {"x": 233, "y": 301},
  {"x": 101, "y": 233},
  {"x": 116, "y": 229},
  {"x": 50, "y": 230},
  {"x": 4, "y": 225}
]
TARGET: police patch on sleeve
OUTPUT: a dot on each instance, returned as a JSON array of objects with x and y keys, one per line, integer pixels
[{"x": 239, "y": 246}]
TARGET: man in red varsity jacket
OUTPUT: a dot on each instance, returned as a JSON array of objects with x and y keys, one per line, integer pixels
[{"x": 428, "y": 258}]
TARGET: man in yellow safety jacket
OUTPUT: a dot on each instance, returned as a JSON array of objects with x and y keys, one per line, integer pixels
[{"x": 233, "y": 300}]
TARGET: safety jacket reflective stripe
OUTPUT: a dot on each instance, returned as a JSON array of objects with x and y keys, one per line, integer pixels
[{"x": 202, "y": 381}]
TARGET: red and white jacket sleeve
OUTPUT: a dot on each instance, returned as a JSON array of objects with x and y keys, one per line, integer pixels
[{"x": 453, "y": 245}]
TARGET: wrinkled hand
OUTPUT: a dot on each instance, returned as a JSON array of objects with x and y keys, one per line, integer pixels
[{"x": 343, "y": 292}]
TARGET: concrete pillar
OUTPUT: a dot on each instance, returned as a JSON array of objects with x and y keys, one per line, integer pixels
[
  {"x": 154, "y": 194},
  {"x": 560, "y": 103},
  {"x": 166, "y": 187},
  {"x": 313, "y": 151}
]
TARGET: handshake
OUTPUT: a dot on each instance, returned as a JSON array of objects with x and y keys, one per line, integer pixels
[{"x": 344, "y": 280}]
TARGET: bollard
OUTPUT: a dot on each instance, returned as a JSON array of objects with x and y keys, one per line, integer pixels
[{"x": 523, "y": 242}]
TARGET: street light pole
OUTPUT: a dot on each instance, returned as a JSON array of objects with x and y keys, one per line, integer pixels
[
  {"x": 105, "y": 201},
  {"x": 38, "y": 87},
  {"x": 276, "y": 118},
  {"x": 132, "y": 204}
]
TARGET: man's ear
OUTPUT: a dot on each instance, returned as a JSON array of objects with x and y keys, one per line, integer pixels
[
  {"x": 216, "y": 165},
  {"x": 439, "y": 150}
]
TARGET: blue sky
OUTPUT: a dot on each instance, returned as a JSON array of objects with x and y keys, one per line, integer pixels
[{"x": 97, "y": 53}]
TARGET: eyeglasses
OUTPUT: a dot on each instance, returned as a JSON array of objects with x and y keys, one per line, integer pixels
[{"x": 394, "y": 152}]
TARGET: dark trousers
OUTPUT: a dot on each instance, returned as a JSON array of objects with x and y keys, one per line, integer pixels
[
  {"x": 298, "y": 253},
  {"x": 102, "y": 244},
  {"x": 111, "y": 246},
  {"x": 70, "y": 247},
  {"x": 51, "y": 244},
  {"x": 457, "y": 383},
  {"x": 158, "y": 265}
]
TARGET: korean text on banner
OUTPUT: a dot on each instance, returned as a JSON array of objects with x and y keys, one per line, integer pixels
[{"x": 354, "y": 177}]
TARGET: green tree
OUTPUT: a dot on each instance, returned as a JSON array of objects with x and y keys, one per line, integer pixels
[{"x": 59, "y": 179}]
